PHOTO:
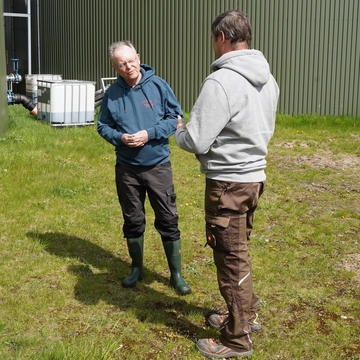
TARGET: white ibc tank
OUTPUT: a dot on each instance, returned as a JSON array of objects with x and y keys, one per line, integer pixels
[
  {"x": 31, "y": 82},
  {"x": 66, "y": 102}
]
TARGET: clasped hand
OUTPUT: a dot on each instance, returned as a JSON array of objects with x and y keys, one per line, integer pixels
[{"x": 135, "y": 140}]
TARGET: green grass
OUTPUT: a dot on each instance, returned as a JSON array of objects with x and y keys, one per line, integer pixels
[{"x": 63, "y": 256}]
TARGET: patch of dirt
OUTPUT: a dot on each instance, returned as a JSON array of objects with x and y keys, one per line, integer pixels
[
  {"x": 352, "y": 263},
  {"x": 338, "y": 162},
  {"x": 327, "y": 159},
  {"x": 323, "y": 159}
]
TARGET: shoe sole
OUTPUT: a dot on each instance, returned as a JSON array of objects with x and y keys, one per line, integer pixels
[{"x": 230, "y": 354}]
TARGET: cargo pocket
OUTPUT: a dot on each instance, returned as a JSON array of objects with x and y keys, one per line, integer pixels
[
  {"x": 217, "y": 231},
  {"x": 171, "y": 200}
]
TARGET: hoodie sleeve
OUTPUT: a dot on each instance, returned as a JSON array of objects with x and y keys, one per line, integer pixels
[
  {"x": 208, "y": 117},
  {"x": 106, "y": 125},
  {"x": 171, "y": 109}
]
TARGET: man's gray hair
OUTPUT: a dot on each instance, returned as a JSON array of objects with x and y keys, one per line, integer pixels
[{"x": 118, "y": 44}]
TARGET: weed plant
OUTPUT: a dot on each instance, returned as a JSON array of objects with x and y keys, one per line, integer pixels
[{"x": 63, "y": 255}]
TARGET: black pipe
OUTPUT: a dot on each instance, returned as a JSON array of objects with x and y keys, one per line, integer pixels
[{"x": 26, "y": 102}]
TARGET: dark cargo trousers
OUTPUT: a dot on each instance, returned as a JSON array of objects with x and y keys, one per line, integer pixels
[
  {"x": 133, "y": 183},
  {"x": 229, "y": 212}
]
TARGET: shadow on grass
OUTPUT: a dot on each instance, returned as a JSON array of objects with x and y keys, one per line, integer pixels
[{"x": 99, "y": 274}]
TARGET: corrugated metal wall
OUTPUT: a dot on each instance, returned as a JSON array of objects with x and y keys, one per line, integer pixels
[
  {"x": 311, "y": 45},
  {"x": 3, "y": 84}
]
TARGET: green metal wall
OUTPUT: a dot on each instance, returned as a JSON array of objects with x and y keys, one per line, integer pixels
[
  {"x": 3, "y": 84},
  {"x": 311, "y": 45}
]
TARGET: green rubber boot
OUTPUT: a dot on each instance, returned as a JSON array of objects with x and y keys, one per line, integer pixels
[
  {"x": 172, "y": 251},
  {"x": 136, "y": 251}
]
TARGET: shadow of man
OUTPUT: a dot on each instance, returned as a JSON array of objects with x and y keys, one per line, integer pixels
[{"x": 99, "y": 275}]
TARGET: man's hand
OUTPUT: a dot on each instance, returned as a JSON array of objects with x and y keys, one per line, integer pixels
[
  {"x": 135, "y": 140},
  {"x": 179, "y": 124},
  {"x": 141, "y": 138}
]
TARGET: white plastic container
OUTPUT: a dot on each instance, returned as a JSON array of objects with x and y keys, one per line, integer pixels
[
  {"x": 66, "y": 102},
  {"x": 32, "y": 84}
]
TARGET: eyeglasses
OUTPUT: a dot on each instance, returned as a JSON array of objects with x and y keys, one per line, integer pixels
[{"x": 122, "y": 65}]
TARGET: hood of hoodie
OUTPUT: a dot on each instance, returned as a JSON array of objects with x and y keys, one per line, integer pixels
[
  {"x": 146, "y": 73},
  {"x": 251, "y": 64}
]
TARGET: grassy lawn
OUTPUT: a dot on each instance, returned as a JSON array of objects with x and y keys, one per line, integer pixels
[{"x": 62, "y": 255}]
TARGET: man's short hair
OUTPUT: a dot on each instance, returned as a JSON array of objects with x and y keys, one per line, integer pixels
[
  {"x": 235, "y": 26},
  {"x": 118, "y": 44}
]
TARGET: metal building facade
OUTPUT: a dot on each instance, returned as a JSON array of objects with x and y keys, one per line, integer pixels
[
  {"x": 311, "y": 45},
  {"x": 3, "y": 84}
]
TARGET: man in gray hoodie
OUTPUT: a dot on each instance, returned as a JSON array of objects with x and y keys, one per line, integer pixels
[{"x": 229, "y": 129}]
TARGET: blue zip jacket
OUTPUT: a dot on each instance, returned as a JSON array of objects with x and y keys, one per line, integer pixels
[{"x": 150, "y": 105}]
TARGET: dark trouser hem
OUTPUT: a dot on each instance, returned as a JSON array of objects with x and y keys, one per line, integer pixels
[{"x": 231, "y": 345}]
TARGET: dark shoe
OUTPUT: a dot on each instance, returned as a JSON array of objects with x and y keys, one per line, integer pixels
[
  {"x": 134, "y": 276},
  {"x": 216, "y": 321},
  {"x": 179, "y": 284},
  {"x": 211, "y": 349},
  {"x": 173, "y": 255},
  {"x": 254, "y": 322},
  {"x": 136, "y": 250}
]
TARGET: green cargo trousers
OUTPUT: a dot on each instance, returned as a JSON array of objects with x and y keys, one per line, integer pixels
[{"x": 229, "y": 214}]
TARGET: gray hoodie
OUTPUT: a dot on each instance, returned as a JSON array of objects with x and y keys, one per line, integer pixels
[{"x": 233, "y": 118}]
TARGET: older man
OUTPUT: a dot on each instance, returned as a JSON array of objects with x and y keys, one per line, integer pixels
[{"x": 138, "y": 114}]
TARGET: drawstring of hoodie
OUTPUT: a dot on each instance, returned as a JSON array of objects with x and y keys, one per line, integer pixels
[
  {"x": 146, "y": 97},
  {"x": 123, "y": 99}
]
